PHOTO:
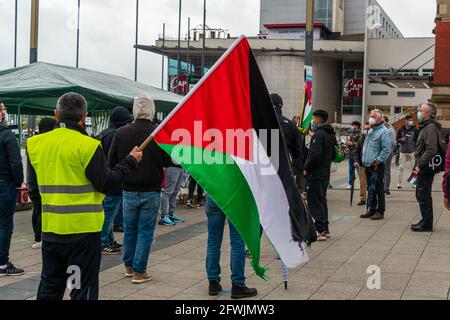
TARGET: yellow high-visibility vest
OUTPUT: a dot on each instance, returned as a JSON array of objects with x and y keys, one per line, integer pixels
[{"x": 70, "y": 204}]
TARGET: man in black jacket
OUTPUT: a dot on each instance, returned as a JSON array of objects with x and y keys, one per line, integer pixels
[
  {"x": 113, "y": 201},
  {"x": 426, "y": 149},
  {"x": 142, "y": 189},
  {"x": 357, "y": 158},
  {"x": 322, "y": 152},
  {"x": 11, "y": 178},
  {"x": 406, "y": 137}
]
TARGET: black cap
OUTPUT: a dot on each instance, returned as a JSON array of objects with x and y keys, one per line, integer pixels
[
  {"x": 276, "y": 100},
  {"x": 47, "y": 125},
  {"x": 120, "y": 117},
  {"x": 408, "y": 116}
]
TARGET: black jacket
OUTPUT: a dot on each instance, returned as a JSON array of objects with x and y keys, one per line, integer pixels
[
  {"x": 411, "y": 135},
  {"x": 149, "y": 176},
  {"x": 11, "y": 167},
  {"x": 292, "y": 140},
  {"x": 357, "y": 152},
  {"x": 103, "y": 178},
  {"x": 322, "y": 152},
  {"x": 427, "y": 143}
]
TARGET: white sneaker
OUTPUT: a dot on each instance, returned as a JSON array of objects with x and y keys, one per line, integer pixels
[
  {"x": 321, "y": 236},
  {"x": 349, "y": 187},
  {"x": 36, "y": 245}
]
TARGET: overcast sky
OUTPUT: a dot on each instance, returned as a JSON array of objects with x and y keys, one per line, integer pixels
[{"x": 107, "y": 29}]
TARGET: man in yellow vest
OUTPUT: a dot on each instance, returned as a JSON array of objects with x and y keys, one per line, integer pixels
[{"x": 72, "y": 175}]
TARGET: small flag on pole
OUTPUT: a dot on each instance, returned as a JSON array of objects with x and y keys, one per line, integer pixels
[{"x": 413, "y": 178}]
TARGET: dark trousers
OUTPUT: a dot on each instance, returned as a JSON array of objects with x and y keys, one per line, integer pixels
[
  {"x": 317, "y": 202},
  {"x": 376, "y": 201},
  {"x": 192, "y": 185},
  {"x": 36, "y": 218},
  {"x": 8, "y": 199},
  {"x": 423, "y": 195},
  {"x": 58, "y": 259}
]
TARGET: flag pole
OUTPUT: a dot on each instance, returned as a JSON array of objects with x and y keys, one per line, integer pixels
[
  {"x": 179, "y": 40},
  {"x": 78, "y": 34},
  {"x": 162, "y": 63},
  {"x": 136, "y": 42},
  {"x": 204, "y": 39},
  {"x": 15, "y": 36}
]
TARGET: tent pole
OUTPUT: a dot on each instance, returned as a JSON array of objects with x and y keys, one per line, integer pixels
[{"x": 19, "y": 125}]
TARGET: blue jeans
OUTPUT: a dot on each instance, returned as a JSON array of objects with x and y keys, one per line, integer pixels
[
  {"x": 216, "y": 225},
  {"x": 118, "y": 221},
  {"x": 174, "y": 179},
  {"x": 140, "y": 212},
  {"x": 351, "y": 170},
  {"x": 113, "y": 207},
  {"x": 8, "y": 199}
]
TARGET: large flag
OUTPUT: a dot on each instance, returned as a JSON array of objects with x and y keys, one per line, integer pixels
[{"x": 226, "y": 135}]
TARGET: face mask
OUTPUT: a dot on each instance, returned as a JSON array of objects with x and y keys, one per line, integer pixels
[
  {"x": 313, "y": 127},
  {"x": 410, "y": 123},
  {"x": 420, "y": 117},
  {"x": 372, "y": 121},
  {"x": 353, "y": 130},
  {"x": 365, "y": 133}
]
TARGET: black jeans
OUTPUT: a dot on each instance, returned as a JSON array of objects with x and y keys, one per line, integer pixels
[
  {"x": 192, "y": 185},
  {"x": 58, "y": 257},
  {"x": 376, "y": 201},
  {"x": 317, "y": 202},
  {"x": 423, "y": 196},
  {"x": 36, "y": 218},
  {"x": 8, "y": 199}
]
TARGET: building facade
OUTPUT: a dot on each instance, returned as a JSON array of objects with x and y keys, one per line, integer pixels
[{"x": 353, "y": 72}]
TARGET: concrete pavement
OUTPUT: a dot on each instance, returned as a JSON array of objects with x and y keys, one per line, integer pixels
[{"x": 413, "y": 266}]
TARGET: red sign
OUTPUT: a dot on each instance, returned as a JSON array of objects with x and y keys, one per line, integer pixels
[
  {"x": 354, "y": 88},
  {"x": 179, "y": 84}
]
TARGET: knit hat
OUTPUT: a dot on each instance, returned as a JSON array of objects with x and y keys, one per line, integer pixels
[
  {"x": 120, "y": 117},
  {"x": 47, "y": 125},
  {"x": 144, "y": 108}
]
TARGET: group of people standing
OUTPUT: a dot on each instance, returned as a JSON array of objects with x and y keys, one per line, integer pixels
[{"x": 372, "y": 150}]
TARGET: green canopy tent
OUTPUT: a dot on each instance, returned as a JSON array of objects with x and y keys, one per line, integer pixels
[{"x": 34, "y": 89}]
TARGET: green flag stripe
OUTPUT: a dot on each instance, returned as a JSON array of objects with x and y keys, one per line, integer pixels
[{"x": 227, "y": 186}]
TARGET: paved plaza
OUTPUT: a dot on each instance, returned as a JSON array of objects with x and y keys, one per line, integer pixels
[{"x": 413, "y": 265}]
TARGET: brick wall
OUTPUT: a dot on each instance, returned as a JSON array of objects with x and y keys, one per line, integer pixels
[{"x": 442, "y": 62}]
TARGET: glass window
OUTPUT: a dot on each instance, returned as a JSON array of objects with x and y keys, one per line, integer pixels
[
  {"x": 379, "y": 93},
  {"x": 349, "y": 74},
  {"x": 359, "y": 74},
  {"x": 398, "y": 110},
  {"x": 406, "y": 94}
]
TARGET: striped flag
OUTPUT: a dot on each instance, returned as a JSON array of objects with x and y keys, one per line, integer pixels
[
  {"x": 307, "y": 109},
  {"x": 413, "y": 178},
  {"x": 252, "y": 183}
]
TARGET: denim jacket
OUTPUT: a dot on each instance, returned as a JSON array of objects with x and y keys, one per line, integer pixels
[{"x": 377, "y": 146}]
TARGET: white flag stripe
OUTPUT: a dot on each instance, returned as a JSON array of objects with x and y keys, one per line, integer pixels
[{"x": 273, "y": 207}]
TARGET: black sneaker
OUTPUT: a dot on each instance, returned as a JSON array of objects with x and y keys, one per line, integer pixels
[
  {"x": 11, "y": 270},
  {"x": 117, "y": 245},
  {"x": 111, "y": 251},
  {"x": 214, "y": 288},
  {"x": 238, "y": 292},
  {"x": 118, "y": 229}
]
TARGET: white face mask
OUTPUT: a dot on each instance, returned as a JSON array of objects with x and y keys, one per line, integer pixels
[
  {"x": 410, "y": 123},
  {"x": 372, "y": 121}
]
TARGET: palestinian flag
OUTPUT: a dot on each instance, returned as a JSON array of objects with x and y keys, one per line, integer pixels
[
  {"x": 226, "y": 135},
  {"x": 307, "y": 109},
  {"x": 413, "y": 178}
]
